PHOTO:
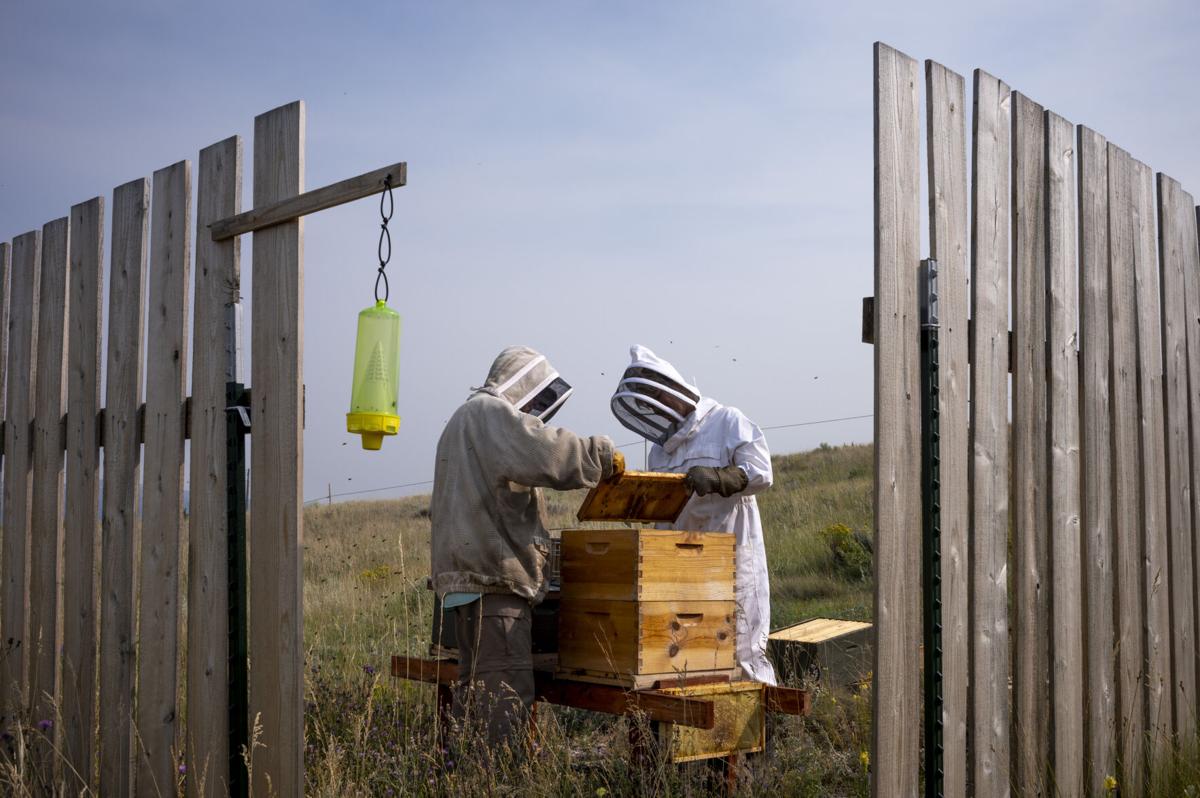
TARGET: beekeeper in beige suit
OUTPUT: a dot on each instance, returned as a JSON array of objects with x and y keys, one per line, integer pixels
[{"x": 489, "y": 540}]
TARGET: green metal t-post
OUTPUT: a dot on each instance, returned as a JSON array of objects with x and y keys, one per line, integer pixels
[
  {"x": 931, "y": 515},
  {"x": 237, "y": 426}
]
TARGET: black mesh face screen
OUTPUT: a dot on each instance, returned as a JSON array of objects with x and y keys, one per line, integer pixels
[{"x": 548, "y": 400}]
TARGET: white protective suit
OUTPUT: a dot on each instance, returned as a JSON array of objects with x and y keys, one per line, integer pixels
[{"x": 716, "y": 435}]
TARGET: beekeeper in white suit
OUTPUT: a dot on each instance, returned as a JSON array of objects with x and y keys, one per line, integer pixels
[{"x": 726, "y": 460}]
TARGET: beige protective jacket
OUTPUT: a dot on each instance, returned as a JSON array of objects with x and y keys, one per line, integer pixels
[{"x": 487, "y": 510}]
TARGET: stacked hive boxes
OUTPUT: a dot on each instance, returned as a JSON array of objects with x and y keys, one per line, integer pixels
[{"x": 644, "y": 607}]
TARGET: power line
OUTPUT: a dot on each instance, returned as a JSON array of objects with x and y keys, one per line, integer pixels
[{"x": 618, "y": 446}]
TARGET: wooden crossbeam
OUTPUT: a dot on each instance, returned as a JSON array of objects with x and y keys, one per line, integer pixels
[
  {"x": 610, "y": 699},
  {"x": 318, "y": 199}
]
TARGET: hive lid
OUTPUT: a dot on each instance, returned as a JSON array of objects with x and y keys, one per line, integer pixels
[{"x": 636, "y": 496}]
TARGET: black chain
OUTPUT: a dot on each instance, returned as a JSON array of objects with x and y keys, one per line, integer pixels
[{"x": 385, "y": 237}]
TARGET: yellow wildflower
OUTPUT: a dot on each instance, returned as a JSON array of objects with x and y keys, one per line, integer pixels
[{"x": 1110, "y": 784}]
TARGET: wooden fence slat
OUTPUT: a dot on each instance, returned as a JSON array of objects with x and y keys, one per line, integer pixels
[
  {"x": 1127, "y": 470},
  {"x": 1154, "y": 467},
  {"x": 947, "y": 158},
  {"x": 218, "y": 285},
  {"x": 162, "y": 513},
  {"x": 120, "y": 522},
  {"x": 45, "y": 527},
  {"x": 277, "y": 460},
  {"x": 1096, "y": 408},
  {"x": 1192, "y": 282},
  {"x": 1063, "y": 405},
  {"x": 896, "y": 690},
  {"x": 1175, "y": 219},
  {"x": 989, "y": 439},
  {"x": 81, "y": 526},
  {"x": 22, "y": 350},
  {"x": 1031, "y": 628}
]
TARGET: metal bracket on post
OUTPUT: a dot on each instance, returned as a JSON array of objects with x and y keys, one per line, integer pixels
[{"x": 931, "y": 523}]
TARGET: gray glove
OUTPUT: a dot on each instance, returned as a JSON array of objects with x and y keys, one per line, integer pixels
[{"x": 726, "y": 481}]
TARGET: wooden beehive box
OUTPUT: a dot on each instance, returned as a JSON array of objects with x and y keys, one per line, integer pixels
[
  {"x": 641, "y": 606},
  {"x": 832, "y": 652},
  {"x": 739, "y": 722},
  {"x": 647, "y": 565}
]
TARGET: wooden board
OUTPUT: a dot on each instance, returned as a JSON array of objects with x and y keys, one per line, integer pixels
[
  {"x": 45, "y": 528},
  {"x": 1097, "y": 456},
  {"x": 636, "y": 496},
  {"x": 1031, "y": 550},
  {"x": 166, "y": 383},
  {"x": 119, "y": 523},
  {"x": 897, "y": 494},
  {"x": 1191, "y": 255},
  {"x": 218, "y": 288},
  {"x": 641, "y": 638},
  {"x": 22, "y": 378},
  {"x": 277, "y": 461},
  {"x": 819, "y": 630},
  {"x": 81, "y": 528},
  {"x": 1176, "y": 256},
  {"x": 5, "y": 291},
  {"x": 1063, "y": 407},
  {"x": 829, "y": 652},
  {"x": 647, "y": 565},
  {"x": 947, "y": 158},
  {"x": 1156, "y": 579},
  {"x": 1128, "y": 545},
  {"x": 285, "y": 210},
  {"x": 739, "y": 722},
  {"x": 989, "y": 464}
]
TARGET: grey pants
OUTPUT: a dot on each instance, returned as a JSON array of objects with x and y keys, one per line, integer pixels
[{"x": 494, "y": 692}]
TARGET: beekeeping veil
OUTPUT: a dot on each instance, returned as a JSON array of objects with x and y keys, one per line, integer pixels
[
  {"x": 652, "y": 398},
  {"x": 525, "y": 379}
]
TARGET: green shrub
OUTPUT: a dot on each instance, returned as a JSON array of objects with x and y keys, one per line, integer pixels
[{"x": 852, "y": 554}]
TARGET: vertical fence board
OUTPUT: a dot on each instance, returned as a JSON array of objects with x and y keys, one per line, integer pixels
[
  {"x": 22, "y": 349},
  {"x": 1192, "y": 274},
  {"x": 1031, "y": 695},
  {"x": 1095, "y": 350},
  {"x": 1063, "y": 405},
  {"x": 276, "y": 523},
  {"x": 1154, "y": 467},
  {"x": 896, "y": 691},
  {"x": 45, "y": 527},
  {"x": 989, "y": 439},
  {"x": 1127, "y": 469},
  {"x": 121, "y": 484},
  {"x": 166, "y": 384},
  {"x": 80, "y": 526},
  {"x": 1175, "y": 210},
  {"x": 218, "y": 284},
  {"x": 947, "y": 158}
]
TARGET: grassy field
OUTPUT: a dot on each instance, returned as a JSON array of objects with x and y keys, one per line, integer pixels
[{"x": 365, "y": 600}]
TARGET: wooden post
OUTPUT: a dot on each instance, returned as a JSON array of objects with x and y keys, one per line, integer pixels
[
  {"x": 45, "y": 528},
  {"x": 120, "y": 522},
  {"x": 277, "y": 461},
  {"x": 897, "y": 500},
  {"x": 81, "y": 527},
  {"x": 166, "y": 384},
  {"x": 1063, "y": 408},
  {"x": 1031, "y": 550},
  {"x": 218, "y": 286},
  {"x": 1156, "y": 579},
  {"x": 1192, "y": 282},
  {"x": 1097, "y": 461},
  {"x": 1176, "y": 225},
  {"x": 1127, "y": 467},
  {"x": 22, "y": 353},
  {"x": 947, "y": 158},
  {"x": 989, "y": 439}
]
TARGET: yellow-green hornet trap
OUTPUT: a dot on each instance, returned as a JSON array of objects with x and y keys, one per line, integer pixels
[{"x": 376, "y": 385}]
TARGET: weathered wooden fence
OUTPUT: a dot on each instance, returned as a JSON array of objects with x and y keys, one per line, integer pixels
[
  {"x": 90, "y": 569},
  {"x": 1070, "y": 514}
]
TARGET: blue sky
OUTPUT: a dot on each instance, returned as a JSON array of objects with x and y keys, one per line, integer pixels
[{"x": 694, "y": 176}]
